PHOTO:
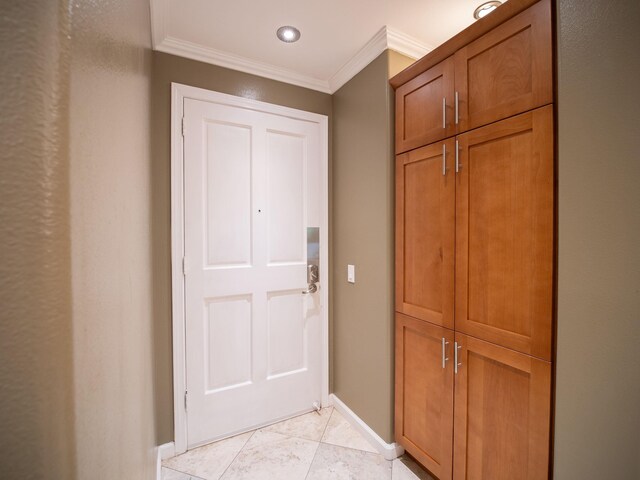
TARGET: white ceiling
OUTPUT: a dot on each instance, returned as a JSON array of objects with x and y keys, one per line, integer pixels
[{"x": 339, "y": 37}]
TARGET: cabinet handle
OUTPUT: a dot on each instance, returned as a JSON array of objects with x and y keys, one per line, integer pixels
[
  {"x": 457, "y": 157},
  {"x": 455, "y": 357},
  {"x": 444, "y": 159},
  {"x": 444, "y": 352},
  {"x": 444, "y": 112},
  {"x": 457, "y": 118}
]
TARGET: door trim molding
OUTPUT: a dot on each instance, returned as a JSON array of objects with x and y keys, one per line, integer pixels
[{"x": 179, "y": 93}]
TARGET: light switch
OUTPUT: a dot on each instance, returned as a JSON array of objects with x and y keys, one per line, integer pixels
[{"x": 351, "y": 274}]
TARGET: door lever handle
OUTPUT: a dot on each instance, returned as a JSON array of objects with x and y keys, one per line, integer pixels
[
  {"x": 313, "y": 288},
  {"x": 312, "y": 279}
]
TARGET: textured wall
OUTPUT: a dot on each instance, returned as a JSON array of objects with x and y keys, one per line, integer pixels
[
  {"x": 36, "y": 434},
  {"x": 111, "y": 238},
  {"x": 363, "y": 235},
  {"x": 166, "y": 69},
  {"x": 598, "y": 364}
]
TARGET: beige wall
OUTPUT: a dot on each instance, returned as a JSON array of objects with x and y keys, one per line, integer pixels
[
  {"x": 166, "y": 69},
  {"x": 111, "y": 240},
  {"x": 597, "y": 422},
  {"x": 36, "y": 419},
  {"x": 363, "y": 199}
]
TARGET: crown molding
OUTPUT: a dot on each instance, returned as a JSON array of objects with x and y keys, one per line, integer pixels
[
  {"x": 385, "y": 38},
  {"x": 201, "y": 53},
  {"x": 157, "y": 9},
  {"x": 361, "y": 59},
  {"x": 407, "y": 45}
]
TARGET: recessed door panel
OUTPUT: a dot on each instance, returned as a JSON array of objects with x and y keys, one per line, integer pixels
[
  {"x": 286, "y": 333},
  {"x": 228, "y": 342},
  {"x": 502, "y": 413},
  {"x": 425, "y": 209},
  {"x": 228, "y": 197},
  {"x": 504, "y": 233},
  {"x": 286, "y": 202},
  {"x": 424, "y": 393}
]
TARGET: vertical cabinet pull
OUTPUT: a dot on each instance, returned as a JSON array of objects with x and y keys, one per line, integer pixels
[
  {"x": 457, "y": 116},
  {"x": 444, "y": 112},
  {"x": 455, "y": 357},
  {"x": 444, "y": 159},
  {"x": 457, "y": 157},
  {"x": 444, "y": 352}
]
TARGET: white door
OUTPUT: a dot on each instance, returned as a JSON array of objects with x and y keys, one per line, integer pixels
[{"x": 252, "y": 186}]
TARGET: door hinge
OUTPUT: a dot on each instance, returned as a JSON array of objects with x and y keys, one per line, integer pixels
[
  {"x": 184, "y": 266},
  {"x": 185, "y": 400},
  {"x": 183, "y": 126}
]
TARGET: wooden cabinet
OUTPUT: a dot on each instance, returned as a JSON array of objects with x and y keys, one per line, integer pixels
[
  {"x": 507, "y": 71},
  {"x": 425, "y": 107},
  {"x": 475, "y": 233},
  {"x": 424, "y": 393},
  {"x": 504, "y": 233},
  {"x": 502, "y": 415},
  {"x": 425, "y": 201}
]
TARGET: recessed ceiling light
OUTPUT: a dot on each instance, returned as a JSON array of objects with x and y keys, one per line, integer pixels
[
  {"x": 485, "y": 9},
  {"x": 288, "y": 34}
]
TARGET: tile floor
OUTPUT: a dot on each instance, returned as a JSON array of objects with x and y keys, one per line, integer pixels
[{"x": 309, "y": 447}]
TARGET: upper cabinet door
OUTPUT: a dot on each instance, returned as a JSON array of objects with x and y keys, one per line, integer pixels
[
  {"x": 507, "y": 71},
  {"x": 425, "y": 233},
  {"x": 502, "y": 413},
  {"x": 505, "y": 233},
  {"x": 425, "y": 108}
]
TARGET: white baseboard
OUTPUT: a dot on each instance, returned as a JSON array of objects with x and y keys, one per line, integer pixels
[
  {"x": 164, "y": 451},
  {"x": 389, "y": 451}
]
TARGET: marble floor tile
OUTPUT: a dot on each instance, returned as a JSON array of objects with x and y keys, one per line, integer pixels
[
  {"x": 340, "y": 432},
  {"x": 404, "y": 468},
  {"x": 310, "y": 426},
  {"x": 271, "y": 455},
  {"x": 337, "y": 463},
  {"x": 169, "y": 474},
  {"x": 210, "y": 461}
]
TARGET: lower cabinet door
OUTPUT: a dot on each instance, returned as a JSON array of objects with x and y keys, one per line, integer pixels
[
  {"x": 424, "y": 393},
  {"x": 502, "y": 416}
]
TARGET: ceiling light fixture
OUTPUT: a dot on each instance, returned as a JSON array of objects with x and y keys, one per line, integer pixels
[
  {"x": 485, "y": 9},
  {"x": 288, "y": 34}
]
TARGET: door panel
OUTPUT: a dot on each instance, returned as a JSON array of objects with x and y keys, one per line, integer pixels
[
  {"x": 424, "y": 393},
  {"x": 502, "y": 416},
  {"x": 419, "y": 108},
  {"x": 425, "y": 233},
  {"x": 507, "y": 71},
  {"x": 253, "y": 340},
  {"x": 504, "y": 233}
]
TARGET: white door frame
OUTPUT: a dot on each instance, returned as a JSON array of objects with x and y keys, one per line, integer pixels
[{"x": 178, "y": 94}]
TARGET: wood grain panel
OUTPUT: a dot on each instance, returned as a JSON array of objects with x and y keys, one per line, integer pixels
[
  {"x": 507, "y": 71},
  {"x": 419, "y": 118},
  {"x": 425, "y": 233},
  {"x": 504, "y": 233},
  {"x": 424, "y": 394},
  {"x": 502, "y": 416}
]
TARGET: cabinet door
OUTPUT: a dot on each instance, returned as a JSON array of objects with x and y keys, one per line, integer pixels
[
  {"x": 424, "y": 393},
  {"x": 425, "y": 233},
  {"x": 507, "y": 71},
  {"x": 502, "y": 413},
  {"x": 424, "y": 108},
  {"x": 504, "y": 233}
]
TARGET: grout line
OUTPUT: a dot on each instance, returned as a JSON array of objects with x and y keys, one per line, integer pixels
[
  {"x": 236, "y": 456},
  {"x": 319, "y": 442},
  {"x": 312, "y": 460}
]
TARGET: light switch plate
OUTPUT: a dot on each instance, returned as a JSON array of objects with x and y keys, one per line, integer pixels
[{"x": 351, "y": 273}]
